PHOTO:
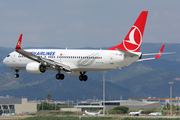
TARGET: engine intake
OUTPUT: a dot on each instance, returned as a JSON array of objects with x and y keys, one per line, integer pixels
[{"x": 35, "y": 67}]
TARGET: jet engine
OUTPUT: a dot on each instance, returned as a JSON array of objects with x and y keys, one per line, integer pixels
[{"x": 35, "y": 67}]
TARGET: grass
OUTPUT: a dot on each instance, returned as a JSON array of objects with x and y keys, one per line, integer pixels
[
  {"x": 69, "y": 118},
  {"x": 92, "y": 118},
  {"x": 126, "y": 118},
  {"x": 67, "y": 115},
  {"x": 57, "y": 112}
]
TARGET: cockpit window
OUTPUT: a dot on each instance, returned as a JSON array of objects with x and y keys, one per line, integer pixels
[{"x": 8, "y": 55}]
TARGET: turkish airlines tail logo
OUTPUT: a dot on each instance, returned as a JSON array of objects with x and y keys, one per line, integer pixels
[{"x": 132, "y": 41}]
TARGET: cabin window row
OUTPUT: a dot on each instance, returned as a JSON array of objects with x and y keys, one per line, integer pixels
[
  {"x": 72, "y": 57},
  {"x": 79, "y": 57}
]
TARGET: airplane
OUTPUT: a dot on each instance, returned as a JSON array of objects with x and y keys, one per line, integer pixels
[
  {"x": 77, "y": 61},
  {"x": 156, "y": 114},
  {"x": 93, "y": 114},
  {"x": 7, "y": 114},
  {"x": 136, "y": 113}
]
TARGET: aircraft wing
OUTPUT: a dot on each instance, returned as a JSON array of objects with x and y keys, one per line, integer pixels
[
  {"x": 46, "y": 62},
  {"x": 158, "y": 55}
]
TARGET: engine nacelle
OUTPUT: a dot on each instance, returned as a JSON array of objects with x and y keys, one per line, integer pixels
[{"x": 35, "y": 67}]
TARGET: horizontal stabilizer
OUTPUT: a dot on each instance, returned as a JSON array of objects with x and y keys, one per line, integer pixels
[
  {"x": 150, "y": 54},
  {"x": 158, "y": 55}
]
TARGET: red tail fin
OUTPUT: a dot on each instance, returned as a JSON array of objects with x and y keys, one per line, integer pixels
[
  {"x": 132, "y": 41},
  {"x": 18, "y": 46}
]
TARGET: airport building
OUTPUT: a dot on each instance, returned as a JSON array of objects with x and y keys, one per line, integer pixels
[
  {"x": 17, "y": 106},
  {"x": 131, "y": 104}
]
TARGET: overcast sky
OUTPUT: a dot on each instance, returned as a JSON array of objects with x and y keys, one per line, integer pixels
[{"x": 85, "y": 23}]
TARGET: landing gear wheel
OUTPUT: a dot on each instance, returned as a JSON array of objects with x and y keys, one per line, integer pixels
[
  {"x": 83, "y": 77},
  {"x": 59, "y": 76},
  {"x": 16, "y": 75}
]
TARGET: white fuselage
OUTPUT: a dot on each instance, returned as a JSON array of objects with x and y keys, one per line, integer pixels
[
  {"x": 93, "y": 114},
  {"x": 155, "y": 114},
  {"x": 77, "y": 60},
  {"x": 135, "y": 113}
]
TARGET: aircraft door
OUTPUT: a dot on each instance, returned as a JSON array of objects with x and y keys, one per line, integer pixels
[
  {"x": 59, "y": 59},
  {"x": 111, "y": 58},
  {"x": 14, "y": 58}
]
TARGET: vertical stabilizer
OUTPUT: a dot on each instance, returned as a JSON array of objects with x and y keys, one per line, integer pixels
[{"x": 132, "y": 41}]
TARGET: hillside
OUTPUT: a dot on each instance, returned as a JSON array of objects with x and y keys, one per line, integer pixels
[
  {"x": 139, "y": 80},
  {"x": 37, "y": 86}
]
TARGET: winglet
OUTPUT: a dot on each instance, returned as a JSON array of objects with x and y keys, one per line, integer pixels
[
  {"x": 159, "y": 55},
  {"x": 18, "y": 46}
]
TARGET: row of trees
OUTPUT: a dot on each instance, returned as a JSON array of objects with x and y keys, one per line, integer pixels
[
  {"x": 119, "y": 110},
  {"x": 48, "y": 106},
  {"x": 167, "y": 107}
]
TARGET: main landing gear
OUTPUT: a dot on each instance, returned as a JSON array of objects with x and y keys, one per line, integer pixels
[
  {"x": 16, "y": 75},
  {"x": 83, "y": 77},
  {"x": 59, "y": 76}
]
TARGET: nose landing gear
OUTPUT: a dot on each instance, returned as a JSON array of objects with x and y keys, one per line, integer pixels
[{"x": 16, "y": 75}]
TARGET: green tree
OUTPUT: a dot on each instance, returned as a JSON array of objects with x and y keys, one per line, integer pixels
[
  {"x": 55, "y": 107},
  {"x": 177, "y": 107},
  {"x": 48, "y": 96},
  {"x": 66, "y": 106},
  {"x": 173, "y": 107},
  {"x": 39, "y": 106},
  {"x": 122, "y": 108},
  {"x": 165, "y": 108},
  {"x": 113, "y": 111},
  {"x": 46, "y": 106},
  {"x": 119, "y": 110}
]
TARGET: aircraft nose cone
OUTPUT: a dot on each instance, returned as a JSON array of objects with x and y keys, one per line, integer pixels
[{"x": 4, "y": 61}]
